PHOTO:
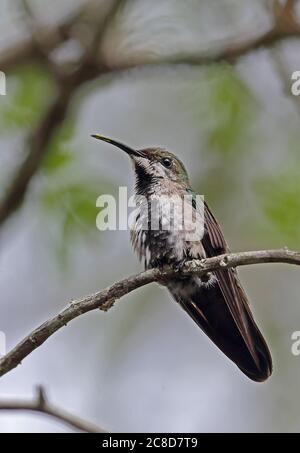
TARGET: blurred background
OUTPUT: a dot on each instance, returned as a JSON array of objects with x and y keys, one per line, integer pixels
[{"x": 208, "y": 80}]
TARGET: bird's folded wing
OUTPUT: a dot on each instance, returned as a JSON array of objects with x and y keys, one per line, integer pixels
[{"x": 214, "y": 244}]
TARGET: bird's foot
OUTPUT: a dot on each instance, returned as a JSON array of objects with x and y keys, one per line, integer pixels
[{"x": 180, "y": 265}]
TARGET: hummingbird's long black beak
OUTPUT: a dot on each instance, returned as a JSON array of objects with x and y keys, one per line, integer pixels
[{"x": 127, "y": 149}]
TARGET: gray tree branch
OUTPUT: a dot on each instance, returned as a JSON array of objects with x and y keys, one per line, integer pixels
[
  {"x": 41, "y": 404},
  {"x": 106, "y": 298}
]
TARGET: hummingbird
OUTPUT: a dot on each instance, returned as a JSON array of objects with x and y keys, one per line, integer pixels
[{"x": 217, "y": 302}]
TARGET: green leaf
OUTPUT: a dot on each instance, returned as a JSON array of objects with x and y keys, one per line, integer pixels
[
  {"x": 78, "y": 203},
  {"x": 231, "y": 108},
  {"x": 280, "y": 197},
  {"x": 58, "y": 154},
  {"x": 29, "y": 91},
  {"x": 73, "y": 208}
]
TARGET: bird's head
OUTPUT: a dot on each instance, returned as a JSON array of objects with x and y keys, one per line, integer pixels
[{"x": 152, "y": 165}]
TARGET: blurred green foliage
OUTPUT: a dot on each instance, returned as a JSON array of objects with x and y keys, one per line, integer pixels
[
  {"x": 76, "y": 201},
  {"x": 59, "y": 153},
  {"x": 29, "y": 92},
  {"x": 280, "y": 198},
  {"x": 72, "y": 207},
  {"x": 226, "y": 109},
  {"x": 231, "y": 107},
  {"x": 68, "y": 198}
]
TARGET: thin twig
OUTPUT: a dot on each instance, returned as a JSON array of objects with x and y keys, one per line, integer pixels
[
  {"x": 105, "y": 299},
  {"x": 41, "y": 404}
]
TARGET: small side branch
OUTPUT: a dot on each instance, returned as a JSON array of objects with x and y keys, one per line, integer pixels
[
  {"x": 105, "y": 299},
  {"x": 41, "y": 404}
]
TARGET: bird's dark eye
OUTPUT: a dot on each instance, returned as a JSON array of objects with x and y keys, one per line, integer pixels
[{"x": 167, "y": 162}]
